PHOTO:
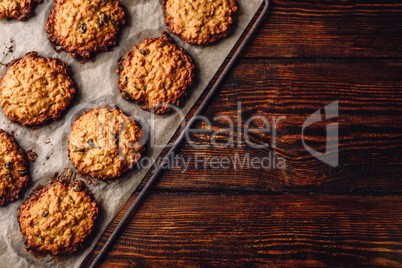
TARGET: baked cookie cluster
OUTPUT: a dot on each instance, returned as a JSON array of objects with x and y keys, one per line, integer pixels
[{"x": 103, "y": 143}]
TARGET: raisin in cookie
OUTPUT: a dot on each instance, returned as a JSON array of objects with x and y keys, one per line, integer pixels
[
  {"x": 35, "y": 90},
  {"x": 85, "y": 27},
  {"x": 58, "y": 219},
  {"x": 156, "y": 74},
  {"x": 199, "y": 22},
  {"x": 13, "y": 169},
  {"x": 104, "y": 143}
]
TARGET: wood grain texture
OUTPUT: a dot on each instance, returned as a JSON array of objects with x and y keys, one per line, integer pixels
[
  {"x": 335, "y": 28},
  {"x": 370, "y": 130},
  {"x": 200, "y": 230}
]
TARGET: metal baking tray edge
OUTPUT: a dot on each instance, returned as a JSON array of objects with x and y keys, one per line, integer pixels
[{"x": 158, "y": 169}]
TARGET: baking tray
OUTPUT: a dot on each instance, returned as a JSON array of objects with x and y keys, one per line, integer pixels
[{"x": 158, "y": 168}]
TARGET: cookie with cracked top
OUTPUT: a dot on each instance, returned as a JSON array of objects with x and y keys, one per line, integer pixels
[
  {"x": 200, "y": 21},
  {"x": 59, "y": 218},
  {"x": 104, "y": 143},
  {"x": 17, "y": 9},
  {"x": 156, "y": 74},
  {"x": 84, "y": 28},
  {"x": 36, "y": 90},
  {"x": 13, "y": 169}
]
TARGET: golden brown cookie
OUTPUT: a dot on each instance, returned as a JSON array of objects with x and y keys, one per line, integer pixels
[
  {"x": 104, "y": 143},
  {"x": 58, "y": 219},
  {"x": 85, "y": 27},
  {"x": 35, "y": 90},
  {"x": 156, "y": 74},
  {"x": 17, "y": 9},
  {"x": 199, "y": 21},
  {"x": 13, "y": 169}
]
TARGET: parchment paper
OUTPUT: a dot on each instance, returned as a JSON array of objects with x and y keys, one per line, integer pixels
[{"x": 97, "y": 86}]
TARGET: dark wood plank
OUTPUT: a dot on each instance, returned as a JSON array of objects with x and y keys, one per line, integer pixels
[
  {"x": 195, "y": 230},
  {"x": 338, "y": 28},
  {"x": 369, "y": 94}
]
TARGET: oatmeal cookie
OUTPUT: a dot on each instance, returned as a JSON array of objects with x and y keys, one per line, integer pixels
[
  {"x": 156, "y": 74},
  {"x": 35, "y": 90},
  {"x": 59, "y": 218},
  {"x": 85, "y": 27},
  {"x": 104, "y": 143},
  {"x": 17, "y": 9},
  {"x": 199, "y": 22},
  {"x": 13, "y": 169}
]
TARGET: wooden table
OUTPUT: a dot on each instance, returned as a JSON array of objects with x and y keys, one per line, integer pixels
[{"x": 306, "y": 55}]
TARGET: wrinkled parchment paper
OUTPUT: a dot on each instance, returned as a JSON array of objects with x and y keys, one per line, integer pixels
[{"x": 97, "y": 86}]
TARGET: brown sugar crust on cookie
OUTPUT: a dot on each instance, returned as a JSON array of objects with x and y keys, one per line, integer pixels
[
  {"x": 58, "y": 219},
  {"x": 85, "y": 27},
  {"x": 155, "y": 74},
  {"x": 13, "y": 169},
  {"x": 104, "y": 143},
  {"x": 35, "y": 90},
  {"x": 199, "y": 22},
  {"x": 17, "y": 9}
]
